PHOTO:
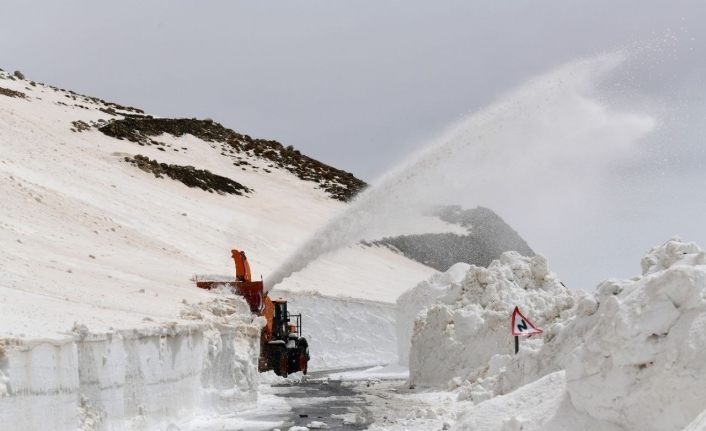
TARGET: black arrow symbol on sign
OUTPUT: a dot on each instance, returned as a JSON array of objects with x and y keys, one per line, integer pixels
[{"x": 522, "y": 326}]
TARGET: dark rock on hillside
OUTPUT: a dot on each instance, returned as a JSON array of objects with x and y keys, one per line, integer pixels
[
  {"x": 190, "y": 176},
  {"x": 12, "y": 93},
  {"x": 339, "y": 184},
  {"x": 488, "y": 237}
]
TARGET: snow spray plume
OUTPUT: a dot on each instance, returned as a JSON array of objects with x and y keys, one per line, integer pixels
[{"x": 516, "y": 154}]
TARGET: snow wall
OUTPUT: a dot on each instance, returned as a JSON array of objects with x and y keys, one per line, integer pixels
[
  {"x": 468, "y": 325},
  {"x": 129, "y": 380},
  {"x": 344, "y": 332},
  {"x": 634, "y": 353},
  {"x": 411, "y": 302},
  {"x": 642, "y": 363}
]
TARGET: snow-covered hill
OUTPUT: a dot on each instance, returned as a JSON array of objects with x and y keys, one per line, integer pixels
[
  {"x": 106, "y": 216},
  {"x": 92, "y": 236}
]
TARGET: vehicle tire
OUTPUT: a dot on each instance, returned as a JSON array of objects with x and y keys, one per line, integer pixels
[
  {"x": 303, "y": 349},
  {"x": 303, "y": 346},
  {"x": 303, "y": 363},
  {"x": 277, "y": 356},
  {"x": 298, "y": 356},
  {"x": 283, "y": 365}
]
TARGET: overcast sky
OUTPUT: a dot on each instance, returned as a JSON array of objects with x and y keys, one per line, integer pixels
[
  {"x": 355, "y": 83},
  {"x": 362, "y": 84}
]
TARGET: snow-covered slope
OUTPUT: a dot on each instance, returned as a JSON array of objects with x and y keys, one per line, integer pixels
[
  {"x": 345, "y": 332},
  {"x": 107, "y": 215},
  {"x": 85, "y": 231},
  {"x": 101, "y": 325},
  {"x": 90, "y": 238}
]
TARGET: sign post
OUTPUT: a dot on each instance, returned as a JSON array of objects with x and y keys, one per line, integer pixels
[{"x": 520, "y": 326}]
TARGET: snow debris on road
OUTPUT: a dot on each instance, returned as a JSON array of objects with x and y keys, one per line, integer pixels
[
  {"x": 542, "y": 405},
  {"x": 389, "y": 372}
]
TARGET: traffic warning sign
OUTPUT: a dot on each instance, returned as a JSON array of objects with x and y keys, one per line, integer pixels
[{"x": 521, "y": 326}]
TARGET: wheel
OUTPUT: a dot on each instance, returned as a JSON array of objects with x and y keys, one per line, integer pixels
[
  {"x": 303, "y": 346},
  {"x": 303, "y": 362},
  {"x": 277, "y": 356},
  {"x": 283, "y": 369},
  {"x": 300, "y": 355}
]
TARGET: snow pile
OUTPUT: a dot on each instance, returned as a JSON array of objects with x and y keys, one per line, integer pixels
[
  {"x": 542, "y": 405},
  {"x": 642, "y": 363},
  {"x": 466, "y": 334},
  {"x": 634, "y": 355},
  {"x": 377, "y": 373},
  {"x": 411, "y": 302}
]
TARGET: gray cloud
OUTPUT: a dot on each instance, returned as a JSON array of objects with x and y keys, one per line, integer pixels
[{"x": 362, "y": 84}]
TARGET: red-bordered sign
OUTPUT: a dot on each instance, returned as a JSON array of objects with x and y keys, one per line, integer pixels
[{"x": 521, "y": 326}]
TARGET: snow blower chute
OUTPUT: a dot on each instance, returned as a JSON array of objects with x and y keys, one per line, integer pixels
[{"x": 282, "y": 348}]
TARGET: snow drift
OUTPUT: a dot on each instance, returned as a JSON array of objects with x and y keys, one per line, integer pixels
[
  {"x": 634, "y": 354},
  {"x": 642, "y": 363},
  {"x": 542, "y": 405}
]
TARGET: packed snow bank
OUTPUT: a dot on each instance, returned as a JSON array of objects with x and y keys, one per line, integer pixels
[
  {"x": 132, "y": 379},
  {"x": 390, "y": 372},
  {"x": 344, "y": 332},
  {"x": 411, "y": 302},
  {"x": 642, "y": 363},
  {"x": 455, "y": 338},
  {"x": 634, "y": 353},
  {"x": 539, "y": 406}
]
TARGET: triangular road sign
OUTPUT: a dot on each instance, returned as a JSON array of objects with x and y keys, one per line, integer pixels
[{"x": 521, "y": 327}]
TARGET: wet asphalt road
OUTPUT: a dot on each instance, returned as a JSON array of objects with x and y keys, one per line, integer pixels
[{"x": 321, "y": 400}]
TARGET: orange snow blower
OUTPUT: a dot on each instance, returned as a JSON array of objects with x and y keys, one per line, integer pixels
[{"x": 282, "y": 347}]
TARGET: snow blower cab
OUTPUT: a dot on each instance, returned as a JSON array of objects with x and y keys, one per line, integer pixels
[{"x": 282, "y": 348}]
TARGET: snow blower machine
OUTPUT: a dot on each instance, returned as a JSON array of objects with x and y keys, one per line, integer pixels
[{"x": 282, "y": 347}]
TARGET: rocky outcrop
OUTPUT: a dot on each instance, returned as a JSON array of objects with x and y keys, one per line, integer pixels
[{"x": 487, "y": 238}]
